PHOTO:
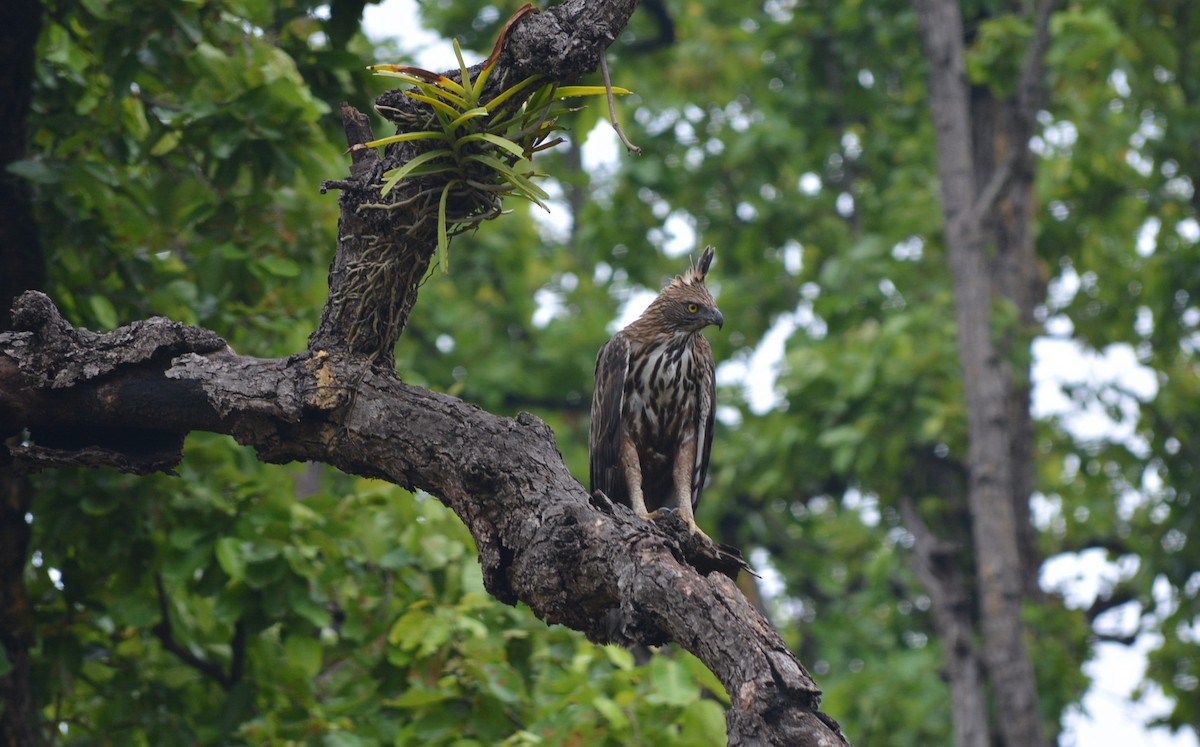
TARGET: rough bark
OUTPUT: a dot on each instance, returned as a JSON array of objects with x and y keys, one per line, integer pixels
[
  {"x": 939, "y": 567},
  {"x": 387, "y": 242},
  {"x": 23, "y": 268},
  {"x": 128, "y": 398},
  {"x": 575, "y": 560},
  {"x": 998, "y": 485}
]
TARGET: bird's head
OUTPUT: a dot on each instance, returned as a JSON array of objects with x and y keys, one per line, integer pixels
[{"x": 685, "y": 304}]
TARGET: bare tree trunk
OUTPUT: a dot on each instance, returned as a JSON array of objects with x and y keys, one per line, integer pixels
[
  {"x": 18, "y": 723},
  {"x": 938, "y": 565},
  {"x": 23, "y": 268},
  {"x": 988, "y": 380}
]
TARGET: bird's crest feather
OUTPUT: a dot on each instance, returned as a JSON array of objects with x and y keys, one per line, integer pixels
[{"x": 697, "y": 272}]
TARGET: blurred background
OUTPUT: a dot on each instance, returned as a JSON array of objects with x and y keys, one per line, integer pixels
[{"x": 175, "y": 152}]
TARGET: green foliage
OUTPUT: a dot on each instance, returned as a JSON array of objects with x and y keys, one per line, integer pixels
[
  {"x": 995, "y": 58},
  {"x": 365, "y": 616},
  {"x": 176, "y": 150},
  {"x": 357, "y": 609},
  {"x": 189, "y": 192},
  {"x": 479, "y": 142}
]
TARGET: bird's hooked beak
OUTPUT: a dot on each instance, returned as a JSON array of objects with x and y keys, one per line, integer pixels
[{"x": 717, "y": 318}]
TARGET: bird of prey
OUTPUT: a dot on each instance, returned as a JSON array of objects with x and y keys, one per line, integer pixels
[{"x": 652, "y": 411}]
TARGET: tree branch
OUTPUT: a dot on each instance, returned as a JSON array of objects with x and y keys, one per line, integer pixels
[
  {"x": 1030, "y": 86},
  {"x": 128, "y": 398},
  {"x": 162, "y": 631},
  {"x": 386, "y": 243},
  {"x": 1029, "y": 98},
  {"x": 936, "y": 563},
  {"x": 577, "y": 561}
]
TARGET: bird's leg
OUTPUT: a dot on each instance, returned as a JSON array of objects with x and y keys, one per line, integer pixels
[
  {"x": 631, "y": 467},
  {"x": 682, "y": 473}
]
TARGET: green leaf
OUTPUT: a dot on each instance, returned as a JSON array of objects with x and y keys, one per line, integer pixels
[
  {"x": 437, "y": 104},
  {"x": 230, "y": 557},
  {"x": 611, "y": 712},
  {"x": 406, "y": 137},
  {"x": 462, "y": 65},
  {"x": 481, "y": 81},
  {"x": 496, "y": 140},
  {"x": 434, "y": 84},
  {"x": 167, "y": 143},
  {"x": 530, "y": 190},
  {"x": 566, "y": 92},
  {"x": 35, "y": 170},
  {"x": 511, "y": 91},
  {"x": 395, "y": 175},
  {"x": 670, "y": 683},
  {"x": 304, "y": 654},
  {"x": 443, "y": 247},
  {"x": 468, "y": 115},
  {"x": 100, "y": 504},
  {"x": 702, "y": 722},
  {"x": 417, "y": 698},
  {"x": 620, "y": 657},
  {"x": 104, "y": 311},
  {"x": 279, "y": 266}
]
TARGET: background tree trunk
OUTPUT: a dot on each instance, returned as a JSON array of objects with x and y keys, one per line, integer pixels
[
  {"x": 23, "y": 268},
  {"x": 982, "y": 154}
]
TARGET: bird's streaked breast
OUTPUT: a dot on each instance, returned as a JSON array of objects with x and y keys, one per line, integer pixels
[{"x": 658, "y": 397}]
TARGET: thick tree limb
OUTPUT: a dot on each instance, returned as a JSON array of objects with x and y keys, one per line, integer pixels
[
  {"x": 387, "y": 242},
  {"x": 128, "y": 398},
  {"x": 577, "y": 561}
]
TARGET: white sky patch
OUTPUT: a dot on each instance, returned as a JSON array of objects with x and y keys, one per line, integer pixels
[
  {"x": 1115, "y": 371},
  {"x": 1080, "y": 577},
  {"x": 851, "y": 145},
  {"x": 758, "y": 373},
  {"x": 1188, "y": 230},
  {"x": 600, "y": 150},
  {"x": 866, "y": 504},
  {"x": 909, "y": 250},
  {"x": 631, "y": 309},
  {"x": 1110, "y": 715},
  {"x": 1147, "y": 237},
  {"x": 1062, "y": 289},
  {"x": 398, "y": 20},
  {"x": 1120, "y": 83},
  {"x": 549, "y": 305},
  {"x": 679, "y": 234},
  {"x": 772, "y": 583},
  {"x": 793, "y": 257},
  {"x": 555, "y": 223}
]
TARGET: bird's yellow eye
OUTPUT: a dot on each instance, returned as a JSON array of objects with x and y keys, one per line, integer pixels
[{"x": 693, "y": 308}]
